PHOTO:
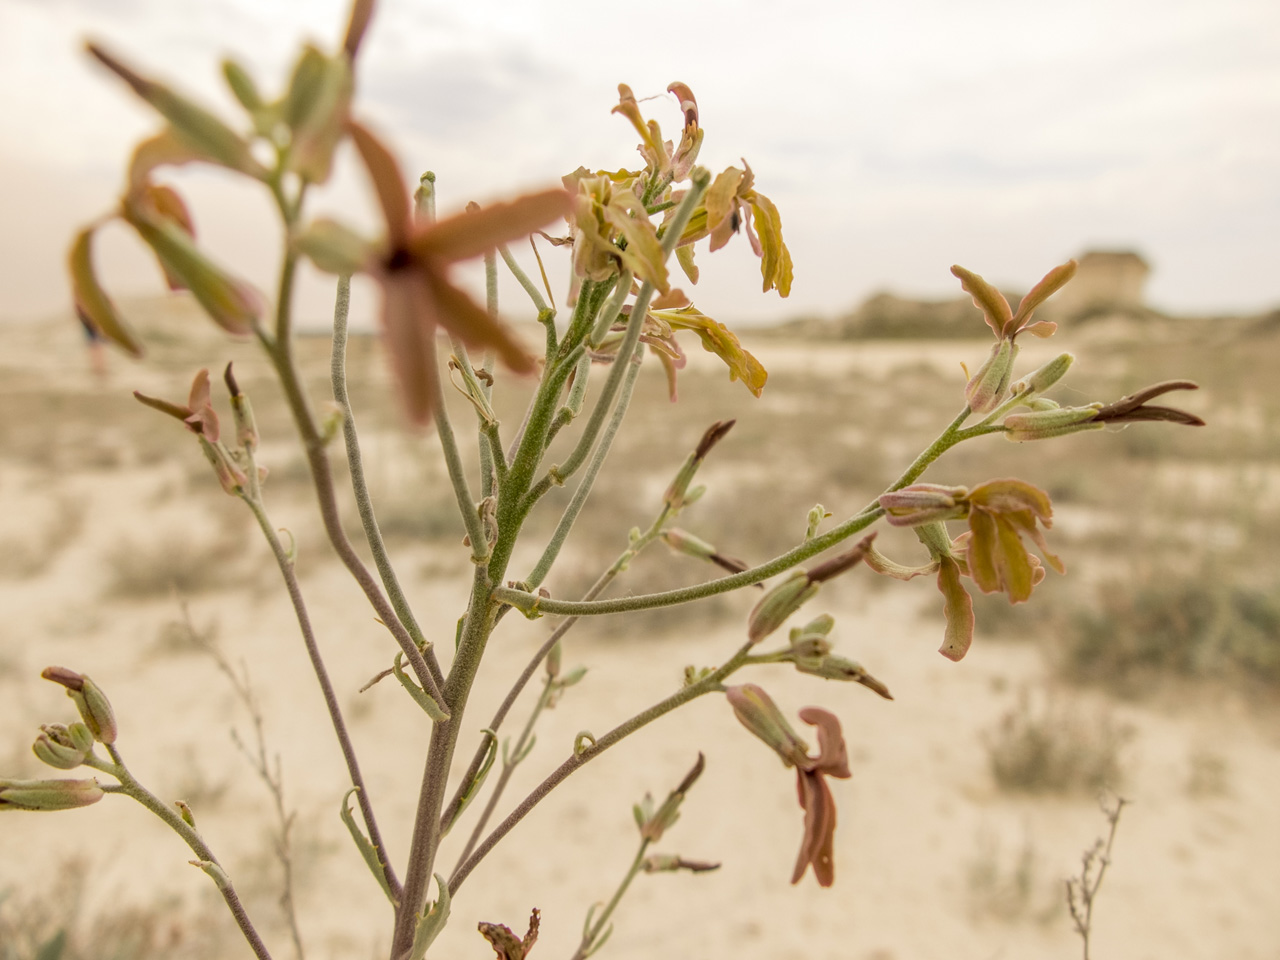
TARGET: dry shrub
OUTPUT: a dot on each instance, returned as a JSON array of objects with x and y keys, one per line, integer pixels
[{"x": 1055, "y": 748}]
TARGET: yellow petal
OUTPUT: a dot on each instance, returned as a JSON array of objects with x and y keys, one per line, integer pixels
[{"x": 720, "y": 340}]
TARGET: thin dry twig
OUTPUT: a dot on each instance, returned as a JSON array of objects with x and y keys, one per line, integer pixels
[
  {"x": 1082, "y": 891},
  {"x": 268, "y": 768}
]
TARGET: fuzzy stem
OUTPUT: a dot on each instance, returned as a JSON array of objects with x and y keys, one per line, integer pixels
[
  {"x": 132, "y": 788},
  {"x": 326, "y": 687},
  {"x": 709, "y": 684},
  {"x": 570, "y": 515},
  {"x": 528, "y": 602},
  {"x": 509, "y": 764},
  {"x": 458, "y": 474},
  {"x": 590, "y": 937},
  {"x": 355, "y": 464}
]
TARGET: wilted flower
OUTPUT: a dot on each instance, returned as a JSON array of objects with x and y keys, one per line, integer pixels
[
  {"x": 1001, "y": 513},
  {"x": 1057, "y": 422},
  {"x": 198, "y": 415},
  {"x": 760, "y": 715},
  {"x": 412, "y": 266},
  {"x": 1134, "y": 408},
  {"x": 731, "y": 203}
]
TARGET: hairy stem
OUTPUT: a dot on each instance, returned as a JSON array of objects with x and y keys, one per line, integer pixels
[
  {"x": 712, "y": 682},
  {"x": 364, "y": 504},
  {"x": 132, "y": 788},
  {"x": 592, "y": 936},
  {"x": 285, "y": 564},
  {"x": 528, "y": 602}
]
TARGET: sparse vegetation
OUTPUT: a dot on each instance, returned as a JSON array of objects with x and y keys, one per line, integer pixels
[{"x": 1046, "y": 745}]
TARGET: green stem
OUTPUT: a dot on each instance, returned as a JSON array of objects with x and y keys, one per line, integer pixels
[
  {"x": 528, "y": 602},
  {"x": 132, "y": 788},
  {"x": 326, "y": 688},
  {"x": 425, "y": 844},
  {"x": 592, "y": 936},
  {"x": 458, "y": 475},
  {"x": 529, "y": 286},
  {"x": 280, "y": 352},
  {"x": 570, "y": 515},
  {"x": 509, "y": 764},
  {"x": 359, "y": 487},
  {"x": 709, "y": 684}
]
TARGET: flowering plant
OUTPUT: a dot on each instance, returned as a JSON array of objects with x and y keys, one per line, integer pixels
[{"x": 623, "y": 228}]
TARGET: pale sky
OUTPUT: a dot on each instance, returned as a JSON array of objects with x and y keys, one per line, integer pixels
[{"x": 896, "y": 138}]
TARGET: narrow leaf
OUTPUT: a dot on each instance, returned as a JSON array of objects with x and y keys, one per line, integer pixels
[{"x": 367, "y": 849}]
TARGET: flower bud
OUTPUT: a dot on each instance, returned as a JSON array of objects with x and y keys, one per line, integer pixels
[
  {"x": 230, "y": 476},
  {"x": 92, "y": 703},
  {"x": 778, "y": 604},
  {"x": 242, "y": 411},
  {"x": 832, "y": 667},
  {"x": 48, "y": 794},
  {"x": 989, "y": 386},
  {"x": 654, "y": 823},
  {"x": 60, "y": 747},
  {"x": 552, "y": 663},
  {"x": 1040, "y": 380},
  {"x": 1045, "y": 424},
  {"x": 923, "y": 503},
  {"x": 757, "y": 712},
  {"x": 684, "y": 542}
]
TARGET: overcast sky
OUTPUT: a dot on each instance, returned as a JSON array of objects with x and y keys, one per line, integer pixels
[{"x": 896, "y": 138}]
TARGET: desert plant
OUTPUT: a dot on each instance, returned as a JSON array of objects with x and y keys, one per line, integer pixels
[
  {"x": 1047, "y": 745},
  {"x": 624, "y": 229}
]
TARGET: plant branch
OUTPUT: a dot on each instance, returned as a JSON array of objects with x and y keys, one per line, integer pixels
[
  {"x": 130, "y": 786},
  {"x": 285, "y": 564},
  {"x": 458, "y": 474},
  {"x": 708, "y": 684},
  {"x": 280, "y": 352},
  {"x": 591, "y": 937},
  {"x": 359, "y": 487},
  {"x": 530, "y": 603}
]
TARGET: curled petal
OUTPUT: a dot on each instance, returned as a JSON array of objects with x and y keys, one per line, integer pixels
[
  {"x": 1052, "y": 282},
  {"x": 817, "y": 845},
  {"x": 833, "y": 756},
  {"x": 958, "y": 609},
  {"x": 986, "y": 298}
]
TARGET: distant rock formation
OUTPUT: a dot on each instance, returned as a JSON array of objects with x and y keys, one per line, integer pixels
[{"x": 1110, "y": 280}]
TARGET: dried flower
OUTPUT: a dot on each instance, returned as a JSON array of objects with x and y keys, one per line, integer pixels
[
  {"x": 198, "y": 415},
  {"x": 760, "y": 715}
]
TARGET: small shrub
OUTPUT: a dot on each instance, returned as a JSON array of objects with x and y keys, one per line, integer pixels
[
  {"x": 173, "y": 560},
  {"x": 1194, "y": 626},
  {"x": 1055, "y": 748},
  {"x": 1010, "y": 889}
]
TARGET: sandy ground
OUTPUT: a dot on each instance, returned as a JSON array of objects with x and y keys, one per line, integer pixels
[{"x": 1196, "y": 874}]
